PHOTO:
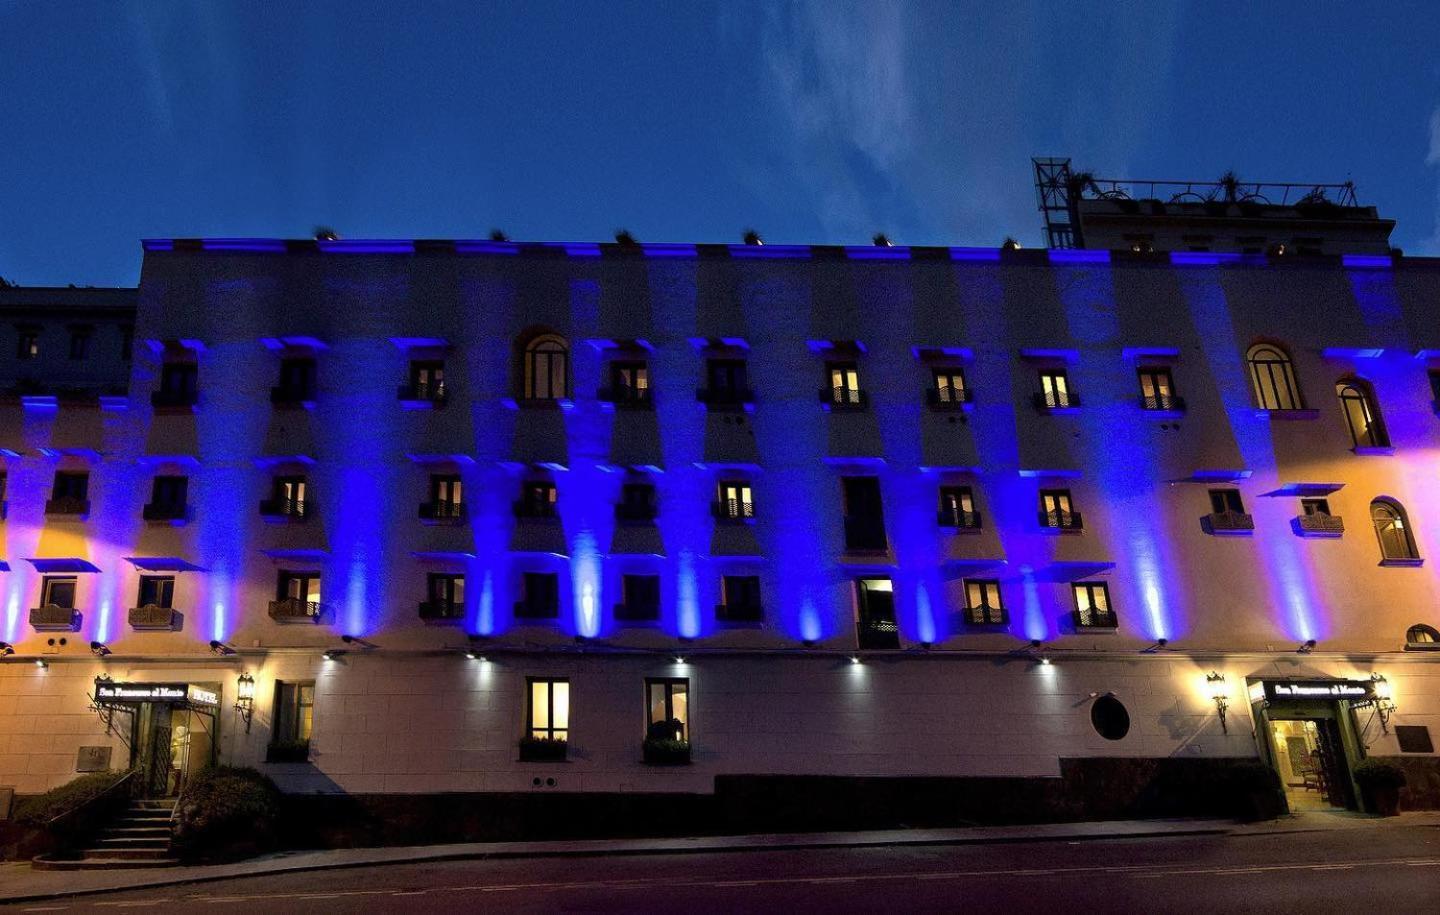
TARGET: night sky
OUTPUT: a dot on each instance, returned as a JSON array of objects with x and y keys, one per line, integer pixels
[{"x": 815, "y": 122}]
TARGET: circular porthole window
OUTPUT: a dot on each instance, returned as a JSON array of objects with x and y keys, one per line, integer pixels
[{"x": 1110, "y": 718}]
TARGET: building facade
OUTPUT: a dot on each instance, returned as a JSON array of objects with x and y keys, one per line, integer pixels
[{"x": 481, "y": 517}]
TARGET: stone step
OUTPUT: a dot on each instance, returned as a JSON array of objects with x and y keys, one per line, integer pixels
[
  {"x": 160, "y": 841},
  {"x": 43, "y": 863},
  {"x": 143, "y": 821},
  {"x": 126, "y": 854},
  {"x": 136, "y": 832}
]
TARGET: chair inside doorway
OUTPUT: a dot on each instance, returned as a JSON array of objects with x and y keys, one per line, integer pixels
[{"x": 1305, "y": 753}]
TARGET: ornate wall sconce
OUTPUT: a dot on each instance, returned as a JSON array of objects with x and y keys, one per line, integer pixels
[
  {"x": 1384, "y": 703},
  {"x": 1215, "y": 681},
  {"x": 245, "y": 698}
]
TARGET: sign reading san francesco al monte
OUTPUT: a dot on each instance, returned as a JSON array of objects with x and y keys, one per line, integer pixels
[
  {"x": 1319, "y": 689},
  {"x": 112, "y": 691}
]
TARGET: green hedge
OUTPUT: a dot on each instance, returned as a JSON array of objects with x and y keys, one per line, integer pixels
[
  {"x": 227, "y": 812},
  {"x": 42, "y": 808}
]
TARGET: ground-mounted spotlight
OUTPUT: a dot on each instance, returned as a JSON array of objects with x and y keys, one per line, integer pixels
[
  {"x": 854, "y": 659},
  {"x": 679, "y": 660},
  {"x": 99, "y": 649},
  {"x": 1306, "y": 648},
  {"x": 42, "y": 663},
  {"x": 356, "y": 640},
  {"x": 1160, "y": 645},
  {"x": 220, "y": 648},
  {"x": 332, "y": 654},
  {"x": 927, "y": 645},
  {"x": 6, "y": 649},
  {"x": 474, "y": 654},
  {"x": 808, "y": 643}
]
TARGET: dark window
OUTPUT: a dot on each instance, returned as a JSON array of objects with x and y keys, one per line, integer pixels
[
  {"x": 629, "y": 383},
  {"x": 637, "y": 502},
  {"x": 642, "y": 597},
  {"x": 546, "y": 368},
  {"x": 58, "y": 591},
  {"x": 957, "y": 507},
  {"x": 844, "y": 384},
  {"x": 1055, "y": 390},
  {"x": 289, "y": 496},
  {"x": 427, "y": 380},
  {"x": 541, "y": 598},
  {"x": 1414, "y": 738},
  {"x": 1092, "y": 605},
  {"x": 71, "y": 486},
  {"x": 446, "y": 588},
  {"x": 28, "y": 345},
  {"x": 1109, "y": 717},
  {"x": 983, "y": 604},
  {"x": 538, "y": 500},
  {"x": 1420, "y": 634},
  {"x": 864, "y": 514},
  {"x": 735, "y": 502},
  {"x": 667, "y": 709},
  {"x": 1226, "y": 502},
  {"x": 294, "y": 711},
  {"x": 297, "y": 380},
  {"x": 1393, "y": 530},
  {"x": 298, "y": 586},
  {"x": 1362, "y": 415},
  {"x": 446, "y": 493},
  {"x": 741, "y": 596},
  {"x": 727, "y": 382},
  {"x": 157, "y": 591},
  {"x": 1435, "y": 387},
  {"x": 1157, "y": 390},
  {"x": 950, "y": 387},
  {"x": 548, "y": 713},
  {"x": 178, "y": 379},
  {"x": 1057, "y": 510},
  {"x": 127, "y": 342},
  {"x": 80, "y": 342},
  {"x": 169, "y": 493},
  {"x": 1311, "y": 507},
  {"x": 1273, "y": 377}
]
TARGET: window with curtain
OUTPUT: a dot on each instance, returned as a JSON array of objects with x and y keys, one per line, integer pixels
[
  {"x": 1392, "y": 528},
  {"x": 1272, "y": 375},
  {"x": 546, "y": 368},
  {"x": 1362, "y": 415}
]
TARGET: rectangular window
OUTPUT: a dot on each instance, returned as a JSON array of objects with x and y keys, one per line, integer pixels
[
  {"x": 1092, "y": 605},
  {"x": 549, "y": 712},
  {"x": 538, "y": 500},
  {"x": 728, "y": 382},
  {"x": 864, "y": 513},
  {"x": 427, "y": 380},
  {"x": 28, "y": 344},
  {"x": 1157, "y": 390},
  {"x": 178, "y": 379},
  {"x": 446, "y": 490},
  {"x": 1435, "y": 388},
  {"x": 1311, "y": 507},
  {"x": 845, "y": 384},
  {"x": 169, "y": 493},
  {"x": 80, "y": 343},
  {"x": 294, "y": 711},
  {"x": 446, "y": 588},
  {"x": 289, "y": 497},
  {"x": 71, "y": 486},
  {"x": 642, "y": 597},
  {"x": 1226, "y": 502},
  {"x": 299, "y": 586},
  {"x": 58, "y": 591},
  {"x": 541, "y": 598},
  {"x": 741, "y": 596},
  {"x": 1055, "y": 390},
  {"x": 297, "y": 380},
  {"x": 157, "y": 591},
  {"x": 957, "y": 507},
  {"x": 950, "y": 387},
  {"x": 1056, "y": 509},
  {"x": 983, "y": 606},
  {"x": 629, "y": 382},
  {"x": 637, "y": 502},
  {"x": 667, "y": 708},
  {"x": 735, "y": 501}
]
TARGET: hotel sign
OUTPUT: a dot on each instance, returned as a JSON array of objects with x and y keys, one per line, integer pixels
[
  {"x": 1319, "y": 689},
  {"x": 173, "y": 693}
]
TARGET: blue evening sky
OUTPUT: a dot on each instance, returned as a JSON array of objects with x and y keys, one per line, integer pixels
[{"x": 820, "y": 122}]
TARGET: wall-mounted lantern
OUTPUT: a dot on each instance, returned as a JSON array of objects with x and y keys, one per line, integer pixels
[
  {"x": 1215, "y": 682},
  {"x": 1384, "y": 703},
  {"x": 245, "y": 698}
]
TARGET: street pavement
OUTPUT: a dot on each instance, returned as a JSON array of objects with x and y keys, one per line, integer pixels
[{"x": 1392, "y": 870}]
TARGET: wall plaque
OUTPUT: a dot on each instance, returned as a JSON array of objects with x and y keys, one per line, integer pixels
[{"x": 92, "y": 759}]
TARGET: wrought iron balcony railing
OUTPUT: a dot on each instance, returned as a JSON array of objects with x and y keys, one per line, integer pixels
[
  {"x": 963, "y": 520},
  {"x": 279, "y": 507},
  {"x": 423, "y": 392},
  {"x": 1321, "y": 524},
  {"x": 163, "y": 399},
  {"x": 625, "y": 396},
  {"x": 636, "y": 512},
  {"x": 725, "y": 398},
  {"x": 947, "y": 398},
  {"x": 986, "y": 616},
  {"x": 295, "y": 610},
  {"x": 1055, "y": 400},
  {"x": 1230, "y": 521},
  {"x": 537, "y": 610},
  {"x": 1090, "y": 618},
  {"x": 733, "y": 510},
  {"x": 739, "y": 613},
  {"x": 54, "y": 618},
  {"x": 1164, "y": 403},
  {"x": 441, "y": 611},
  {"x": 1065, "y": 521},
  {"x": 154, "y": 618},
  {"x": 67, "y": 505},
  {"x": 165, "y": 511},
  {"x": 535, "y": 509},
  {"x": 637, "y": 612},
  {"x": 442, "y": 510},
  {"x": 844, "y": 398}
]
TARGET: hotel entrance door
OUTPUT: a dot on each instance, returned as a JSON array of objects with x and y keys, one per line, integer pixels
[
  {"x": 1310, "y": 740},
  {"x": 171, "y": 729}
]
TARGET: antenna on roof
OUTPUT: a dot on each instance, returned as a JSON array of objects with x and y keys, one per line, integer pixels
[
  {"x": 325, "y": 233},
  {"x": 498, "y": 235},
  {"x": 752, "y": 237}
]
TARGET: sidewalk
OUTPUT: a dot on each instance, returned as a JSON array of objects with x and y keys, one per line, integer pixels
[{"x": 18, "y": 883}]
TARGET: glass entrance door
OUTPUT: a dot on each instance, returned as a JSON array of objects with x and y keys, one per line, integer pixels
[
  {"x": 169, "y": 745},
  {"x": 1310, "y": 757}
]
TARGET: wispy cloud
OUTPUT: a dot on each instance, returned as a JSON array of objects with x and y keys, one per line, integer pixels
[{"x": 1431, "y": 245}]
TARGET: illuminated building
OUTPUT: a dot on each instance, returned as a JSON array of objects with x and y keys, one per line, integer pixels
[{"x": 771, "y": 510}]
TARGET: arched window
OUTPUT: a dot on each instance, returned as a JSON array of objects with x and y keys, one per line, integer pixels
[
  {"x": 1362, "y": 414},
  {"x": 1421, "y": 634},
  {"x": 546, "y": 368},
  {"x": 1393, "y": 530},
  {"x": 1273, "y": 376}
]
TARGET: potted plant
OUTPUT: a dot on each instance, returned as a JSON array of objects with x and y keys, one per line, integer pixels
[
  {"x": 288, "y": 751},
  {"x": 665, "y": 744},
  {"x": 1381, "y": 781},
  {"x": 542, "y": 749}
]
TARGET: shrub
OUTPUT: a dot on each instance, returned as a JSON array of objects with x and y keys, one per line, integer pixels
[
  {"x": 542, "y": 749},
  {"x": 42, "y": 808},
  {"x": 227, "y": 812},
  {"x": 661, "y": 751},
  {"x": 1376, "y": 773}
]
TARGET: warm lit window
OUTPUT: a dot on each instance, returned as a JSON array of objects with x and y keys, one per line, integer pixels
[
  {"x": 549, "y": 712},
  {"x": 845, "y": 384},
  {"x": 29, "y": 344},
  {"x": 58, "y": 591},
  {"x": 629, "y": 383},
  {"x": 289, "y": 497},
  {"x": 667, "y": 703},
  {"x": 427, "y": 380},
  {"x": 1092, "y": 605},
  {"x": 1393, "y": 530},
  {"x": 1157, "y": 390},
  {"x": 294, "y": 712},
  {"x": 156, "y": 591},
  {"x": 735, "y": 502},
  {"x": 1421, "y": 634},
  {"x": 1272, "y": 376},
  {"x": 446, "y": 494},
  {"x": 546, "y": 368},
  {"x": 299, "y": 586},
  {"x": 950, "y": 387},
  {"x": 1055, "y": 390},
  {"x": 1057, "y": 509},
  {"x": 983, "y": 606},
  {"x": 1362, "y": 415},
  {"x": 957, "y": 507},
  {"x": 537, "y": 500}
]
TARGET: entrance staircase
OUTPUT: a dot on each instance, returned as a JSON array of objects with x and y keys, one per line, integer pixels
[{"x": 138, "y": 837}]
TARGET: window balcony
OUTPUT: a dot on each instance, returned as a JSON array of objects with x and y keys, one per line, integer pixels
[
  {"x": 877, "y": 634},
  {"x": 865, "y": 534},
  {"x": 636, "y": 513},
  {"x": 1094, "y": 619},
  {"x": 726, "y": 398},
  {"x": 1062, "y": 521},
  {"x": 53, "y": 618},
  {"x": 960, "y": 520},
  {"x": 441, "y": 611},
  {"x": 288, "y": 509},
  {"x": 633, "y": 398},
  {"x": 536, "y": 610},
  {"x": 535, "y": 510},
  {"x": 843, "y": 398},
  {"x": 295, "y": 610},
  {"x": 174, "y": 400},
  {"x": 422, "y": 394},
  {"x": 1318, "y": 525},
  {"x": 442, "y": 512},
  {"x": 154, "y": 618},
  {"x": 1164, "y": 403},
  {"x": 539, "y": 749},
  {"x": 286, "y": 396},
  {"x": 164, "y": 511},
  {"x": 739, "y": 613},
  {"x": 986, "y": 616},
  {"x": 637, "y": 613},
  {"x": 1055, "y": 401},
  {"x": 733, "y": 511},
  {"x": 1230, "y": 522},
  {"x": 67, "y": 505},
  {"x": 948, "y": 398}
]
